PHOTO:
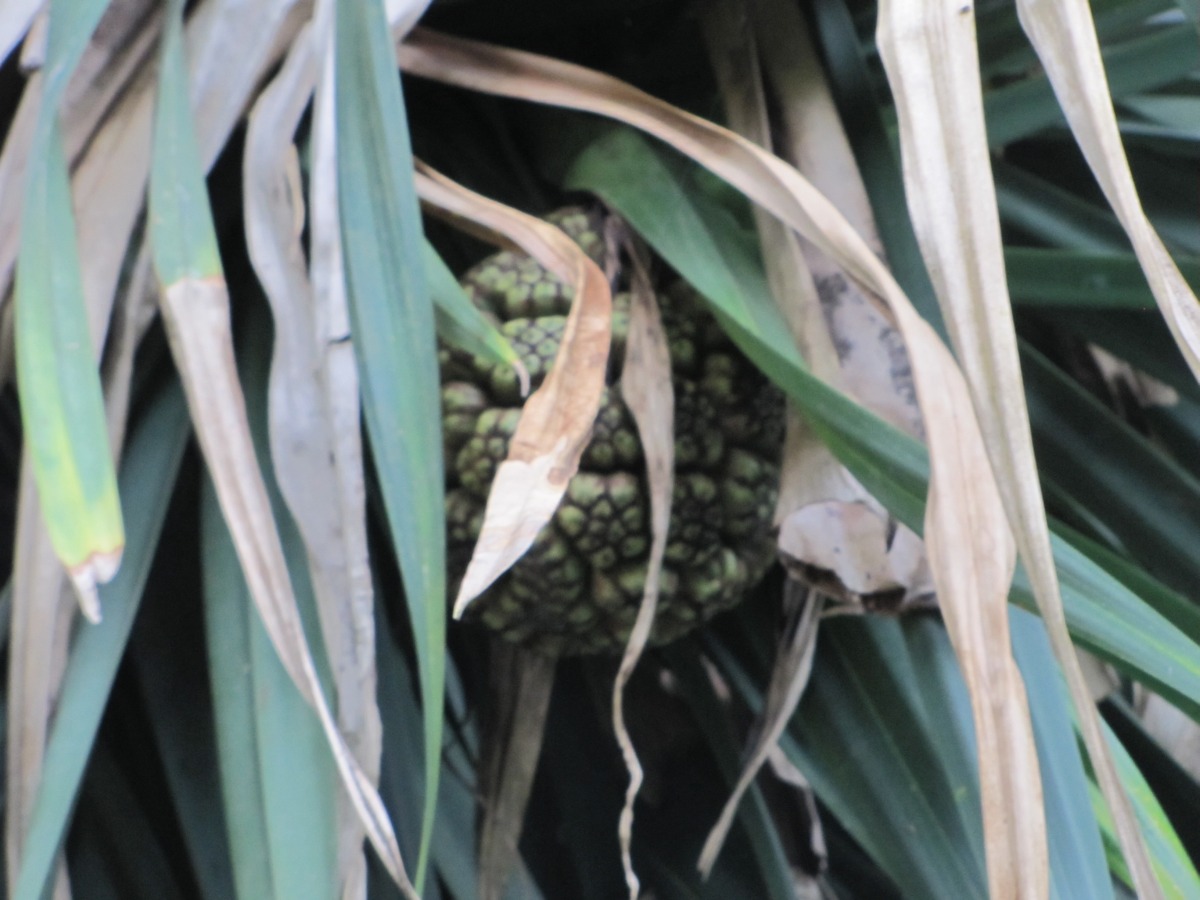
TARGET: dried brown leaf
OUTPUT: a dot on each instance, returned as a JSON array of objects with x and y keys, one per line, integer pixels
[
  {"x": 789, "y": 677},
  {"x": 556, "y": 422},
  {"x": 647, "y": 391}
]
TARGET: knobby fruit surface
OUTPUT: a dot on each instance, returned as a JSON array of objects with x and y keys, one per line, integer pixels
[{"x": 578, "y": 588}]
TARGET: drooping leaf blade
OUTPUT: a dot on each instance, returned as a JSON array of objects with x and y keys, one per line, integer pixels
[
  {"x": 148, "y": 477},
  {"x": 59, "y": 383},
  {"x": 392, "y": 325}
]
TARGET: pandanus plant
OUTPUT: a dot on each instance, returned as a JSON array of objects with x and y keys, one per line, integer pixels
[{"x": 519, "y": 343}]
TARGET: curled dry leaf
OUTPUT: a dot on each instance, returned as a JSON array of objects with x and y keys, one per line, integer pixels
[
  {"x": 556, "y": 422},
  {"x": 647, "y": 391},
  {"x": 855, "y": 545}
]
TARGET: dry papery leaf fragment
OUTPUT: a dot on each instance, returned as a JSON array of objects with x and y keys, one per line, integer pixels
[
  {"x": 648, "y": 392},
  {"x": 556, "y": 421},
  {"x": 929, "y": 53},
  {"x": 970, "y": 544}
]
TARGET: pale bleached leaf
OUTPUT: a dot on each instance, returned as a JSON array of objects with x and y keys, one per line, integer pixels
[
  {"x": 854, "y": 543},
  {"x": 930, "y": 55},
  {"x": 317, "y": 458},
  {"x": 1177, "y": 733},
  {"x": 402, "y": 15},
  {"x": 16, "y": 16},
  {"x": 647, "y": 390}
]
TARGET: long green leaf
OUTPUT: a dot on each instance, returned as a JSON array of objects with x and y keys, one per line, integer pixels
[
  {"x": 184, "y": 239},
  {"x": 61, "y": 404},
  {"x": 1139, "y": 492},
  {"x": 1178, "y": 428},
  {"x": 134, "y": 854},
  {"x": 1175, "y": 787},
  {"x": 1078, "y": 868},
  {"x": 863, "y": 738},
  {"x": 1171, "y": 863},
  {"x": 460, "y": 322},
  {"x": 1043, "y": 277},
  {"x": 1029, "y": 105},
  {"x": 277, "y": 777},
  {"x": 1054, "y": 216},
  {"x": 147, "y": 480},
  {"x": 168, "y": 663},
  {"x": 393, "y": 330}
]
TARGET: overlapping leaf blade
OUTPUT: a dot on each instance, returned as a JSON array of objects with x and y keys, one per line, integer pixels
[
  {"x": 891, "y": 465},
  {"x": 392, "y": 326}
]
